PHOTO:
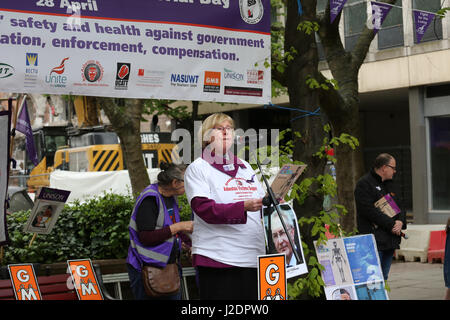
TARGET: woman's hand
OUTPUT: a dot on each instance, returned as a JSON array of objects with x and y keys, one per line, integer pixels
[
  {"x": 183, "y": 226},
  {"x": 253, "y": 204}
]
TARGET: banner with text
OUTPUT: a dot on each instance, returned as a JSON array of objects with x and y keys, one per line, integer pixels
[{"x": 206, "y": 50}]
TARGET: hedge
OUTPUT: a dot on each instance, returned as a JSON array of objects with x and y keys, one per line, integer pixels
[{"x": 96, "y": 229}]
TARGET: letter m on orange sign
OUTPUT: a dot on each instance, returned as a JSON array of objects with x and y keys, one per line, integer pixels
[
  {"x": 24, "y": 282},
  {"x": 85, "y": 280}
]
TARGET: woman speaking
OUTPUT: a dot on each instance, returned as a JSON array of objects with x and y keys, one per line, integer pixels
[{"x": 226, "y": 198}]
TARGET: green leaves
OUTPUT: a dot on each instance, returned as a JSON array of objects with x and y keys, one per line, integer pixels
[
  {"x": 314, "y": 84},
  {"x": 442, "y": 12},
  {"x": 308, "y": 27}
]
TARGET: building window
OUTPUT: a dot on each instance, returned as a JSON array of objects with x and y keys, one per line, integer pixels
[
  {"x": 391, "y": 33},
  {"x": 355, "y": 18},
  {"x": 434, "y": 31},
  {"x": 439, "y": 129}
]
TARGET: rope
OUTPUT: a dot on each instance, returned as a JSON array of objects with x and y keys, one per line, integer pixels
[
  {"x": 300, "y": 9},
  {"x": 306, "y": 112}
]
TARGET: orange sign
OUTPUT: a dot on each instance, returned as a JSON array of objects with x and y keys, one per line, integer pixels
[
  {"x": 212, "y": 78},
  {"x": 85, "y": 280},
  {"x": 211, "y": 81},
  {"x": 272, "y": 282},
  {"x": 24, "y": 282}
]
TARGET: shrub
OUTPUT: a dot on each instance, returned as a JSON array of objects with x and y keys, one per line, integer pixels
[{"x": 95, "y": 229}]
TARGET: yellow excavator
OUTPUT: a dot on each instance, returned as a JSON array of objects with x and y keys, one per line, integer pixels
[{"x": 90, "y": 148}]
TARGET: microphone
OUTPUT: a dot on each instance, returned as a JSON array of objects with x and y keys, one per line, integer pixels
[
  {"x": 266, "y": 201},
  {"x": 253, "y": 138},
  {"x": 404, "y": 235}
]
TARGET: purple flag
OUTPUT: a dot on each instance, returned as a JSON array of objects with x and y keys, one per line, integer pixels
[
  {"x": 335, "y": 8},
  {"x": 422, "y": 20},
  {"x": 23, "y": 125},
  {"x": 379, "y": 13}
]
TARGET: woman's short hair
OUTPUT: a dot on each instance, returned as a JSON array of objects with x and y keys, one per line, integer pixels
[
  {"x": 204, "y": 134},
  {"x": 382, "y": 159},
  {"x": 170, "y": 172}
]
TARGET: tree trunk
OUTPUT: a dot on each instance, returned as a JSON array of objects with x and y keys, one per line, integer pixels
[
  {"x": 349, "y": 167},
  {"x": 303, "y": 65},
  {"x": 125, "y": 118}
]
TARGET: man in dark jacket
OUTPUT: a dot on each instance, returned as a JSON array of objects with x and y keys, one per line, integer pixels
[{"x": 370, "y": 219}]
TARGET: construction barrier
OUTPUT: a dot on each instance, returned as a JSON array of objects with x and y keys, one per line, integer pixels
[
  {"x": 415, "y": 248},
  {"x": 436, "y": 249}
]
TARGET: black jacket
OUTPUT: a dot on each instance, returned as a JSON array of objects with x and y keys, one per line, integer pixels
[{"x": 370, "y": 219}]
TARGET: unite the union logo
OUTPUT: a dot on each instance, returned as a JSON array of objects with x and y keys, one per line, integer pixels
[{"x": 56, "y": 77}]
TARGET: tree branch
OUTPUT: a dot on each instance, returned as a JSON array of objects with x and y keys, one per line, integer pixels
[{"x": 362, "y": 46}]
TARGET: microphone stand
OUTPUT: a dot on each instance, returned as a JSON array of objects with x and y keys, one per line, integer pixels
[{"x": 275, "y": 203}]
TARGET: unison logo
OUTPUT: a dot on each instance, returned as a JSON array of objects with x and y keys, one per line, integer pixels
[{"x": 230, "y": 74}]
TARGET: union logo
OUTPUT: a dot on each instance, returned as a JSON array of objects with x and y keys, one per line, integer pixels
[
  {"x": 92, "y": 71},
  {"x": 59, "y": 69},
  {"x": 252, "y": 11}
]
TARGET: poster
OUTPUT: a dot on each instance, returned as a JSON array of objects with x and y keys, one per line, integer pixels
[
  {"x": 47, "y": 207},
  {"x": 352, "y": 269},
  {"x": 278, "y": 242},
  {"x": 4, "y": 171},
  {"x": 333, "y": 257},
  {"x": 179, "y": 50},
  {"x": 285, "y": 179}
]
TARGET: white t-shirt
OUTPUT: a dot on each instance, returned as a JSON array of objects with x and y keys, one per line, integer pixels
[{"x": 233, "y": 244}]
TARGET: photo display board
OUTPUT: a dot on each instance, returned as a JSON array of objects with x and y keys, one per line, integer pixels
[{"x": 352, "y": 268}]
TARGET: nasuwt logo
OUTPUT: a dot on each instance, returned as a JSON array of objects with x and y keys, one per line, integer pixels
[
  {"x": 251, "y": 11},
  {"x": 184, "y": 80},
  {"x": 6, "y": 70}
]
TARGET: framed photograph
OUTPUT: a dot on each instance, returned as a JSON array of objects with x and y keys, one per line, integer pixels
[
  {"x": 47, "y": 207},
  {"x": 278, "y": 241}
]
